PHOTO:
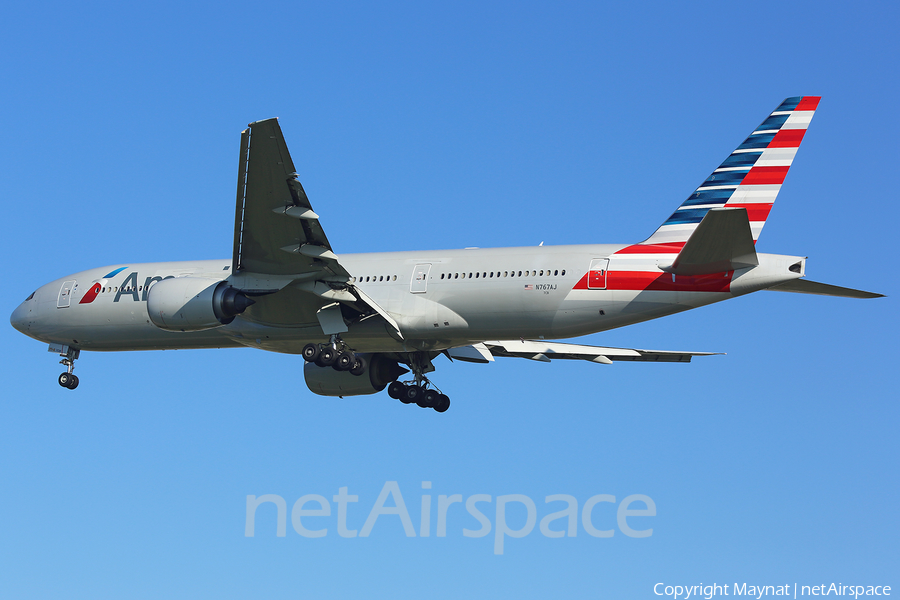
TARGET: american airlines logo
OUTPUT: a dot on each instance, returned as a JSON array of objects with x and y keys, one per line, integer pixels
[{"x": 129, "y": 288}]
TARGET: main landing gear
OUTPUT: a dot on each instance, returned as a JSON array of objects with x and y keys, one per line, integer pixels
[
  {"x": 335, "y": 355},
  {"x": 69, "y": 379},
  {"x": 418, "y": 391},
  {"x": 422, "y": 396}
]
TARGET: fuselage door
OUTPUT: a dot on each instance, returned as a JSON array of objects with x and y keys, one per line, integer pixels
[
  {"x": 419, "y": 283},
  {"x": 65, "y": 293},
  {"x": 597, "y": 274}
]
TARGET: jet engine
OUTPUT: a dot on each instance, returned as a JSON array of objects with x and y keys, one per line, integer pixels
[
  {"x": 194, "y": 304},
  {"x": 379, "y": 372}
]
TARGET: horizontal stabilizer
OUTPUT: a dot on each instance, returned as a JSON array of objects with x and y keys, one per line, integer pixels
[
  {"x": 805, "y": 286},
  {"x": 721, "y": 242},
  {"x": 547, "y": 351}
]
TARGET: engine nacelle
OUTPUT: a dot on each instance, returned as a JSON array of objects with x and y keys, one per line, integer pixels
[
  {"x": 194, "y": 304},
  {"x": 380, "y": 371}
]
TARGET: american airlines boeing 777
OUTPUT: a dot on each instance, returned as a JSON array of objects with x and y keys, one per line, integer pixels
[{"x": 356, "y": 318}]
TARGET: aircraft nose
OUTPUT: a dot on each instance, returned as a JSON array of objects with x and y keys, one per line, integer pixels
[{"x": 21, "y": 317}]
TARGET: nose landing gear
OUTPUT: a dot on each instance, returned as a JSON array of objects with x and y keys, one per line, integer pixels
[{"x": 68, "y": 379}]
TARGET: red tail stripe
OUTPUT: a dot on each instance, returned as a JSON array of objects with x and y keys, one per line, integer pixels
[
  {"x": 809, "y": 103},
  {"x": 787, "y": 138},
  {"x": 765, "y": 176},
  {"x": 755, "y": 212},
  {"x": 673, "y": 248}
]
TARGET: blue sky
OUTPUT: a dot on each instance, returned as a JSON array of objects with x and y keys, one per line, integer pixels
[{"x": 416, "y": 127}]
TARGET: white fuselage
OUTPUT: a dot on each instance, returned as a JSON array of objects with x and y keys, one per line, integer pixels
[{"x": 439, "y": 299}]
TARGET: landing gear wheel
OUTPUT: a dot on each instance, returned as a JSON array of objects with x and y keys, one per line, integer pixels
[
  {"x": 412, "y": 393},
  {"x": 359, "y": 366},
  {"x": 442, "y": 404},
  {"x": 65, "y": 379},
  {"x": 73, "y": 382},
  {"x": 395, "y": 390},
  {"x": 344, "y": 361},
  {"x": 310, "y": 352},
  {"x": 429, "y": 399},
  {"x": 327, "y": 356}
]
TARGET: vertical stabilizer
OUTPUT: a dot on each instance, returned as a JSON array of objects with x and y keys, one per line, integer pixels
[{"x": 750, "y": 177}]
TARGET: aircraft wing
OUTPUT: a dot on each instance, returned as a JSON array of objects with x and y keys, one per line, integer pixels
[
  {"x": 547, "y": 351},
  {"x": 281, "y": 252},
  {"x": 276, "y": 231}
]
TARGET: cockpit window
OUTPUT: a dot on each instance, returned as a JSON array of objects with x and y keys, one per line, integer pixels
[{"x": 31, "y": 296}]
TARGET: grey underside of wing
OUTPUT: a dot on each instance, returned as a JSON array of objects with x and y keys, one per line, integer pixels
[
  {"x": 543, "y": 351},
  {"x": 276, "y": 231}
]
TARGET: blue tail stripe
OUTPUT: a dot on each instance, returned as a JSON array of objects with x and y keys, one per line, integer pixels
[
  {"x": 773, "y": 122},
  {"x": 708, "y": 197},
  {"x": 789, "y": 104},
  {"x": 743, "y": 159},
  {"x": 724, "y": 178},
  {"x": 690, "y": 215},
  {"x": 760, "y": 140}
]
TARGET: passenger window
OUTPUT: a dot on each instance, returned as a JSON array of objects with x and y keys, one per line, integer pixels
[
  {"x": 476, "y": 275},
  {"x": 563, "y": 271},
  {"x": 555, "y": 273}
]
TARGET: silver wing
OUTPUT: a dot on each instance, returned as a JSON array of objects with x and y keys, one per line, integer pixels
[
  {"x": 281, "y": 253},
  {"x": 547, "y": 351}
]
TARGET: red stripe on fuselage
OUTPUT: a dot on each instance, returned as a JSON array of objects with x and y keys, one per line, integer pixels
[{"x": 662, "y": 282}]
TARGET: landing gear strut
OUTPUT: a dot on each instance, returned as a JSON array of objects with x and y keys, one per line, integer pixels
[
  {"x": 418, "y": 391},
  {"x": 69, "y": 379},
  {"x": 335, "y": 354}
]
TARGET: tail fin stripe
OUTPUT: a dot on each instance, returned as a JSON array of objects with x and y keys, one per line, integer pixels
[
  {"x": 773, "y": 122},
  {"x": 744, "y": 159},
  {"x": 787, "y": 138},
  {"x": 789, "y": 104},
  {"x": 757, "y": 140},
  {"x": 809, "y": 103},
  {"x": 752, "y": 174},
  {"x": 766, "y": 176}
]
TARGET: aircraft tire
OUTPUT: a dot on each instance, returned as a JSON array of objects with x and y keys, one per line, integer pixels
[
  {"x": 327, "y": 356},
  {"x": 73, "y": 383},
  {"x": 344, "y": 361},
  {"x": 359, "y": 366},
  {"x": 310, "y": 352},
  {"x": 64, "y": 379},
  {"x": 412, "y": 393},
  {"x": 429, "y": 399},
  {"x": 443, "y": 404},
  {"x": 396, "y": 390}
]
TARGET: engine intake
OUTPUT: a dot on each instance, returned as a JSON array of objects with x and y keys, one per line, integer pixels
[{"x": 194, "y": 304}]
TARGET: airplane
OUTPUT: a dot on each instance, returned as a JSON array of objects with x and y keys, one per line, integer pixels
[{"x": 362, "y": 322}]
